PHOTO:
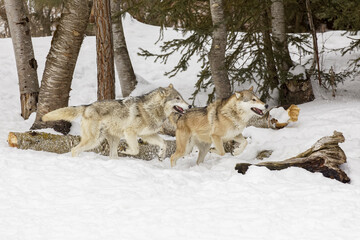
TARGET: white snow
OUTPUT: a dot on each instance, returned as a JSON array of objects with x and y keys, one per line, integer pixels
[
  {"x": 280, "y": 114},
  {"x": 54, "y": 196},
  {"x": 298, "y": 70}
]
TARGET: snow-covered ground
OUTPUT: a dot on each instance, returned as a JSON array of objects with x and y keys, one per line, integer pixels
[{"x": 51, "y": 196}]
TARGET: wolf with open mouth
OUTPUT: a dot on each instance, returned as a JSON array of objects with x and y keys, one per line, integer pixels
[
  {"x": 128, "y": 118},
  {"x": 222, "y": 120}
]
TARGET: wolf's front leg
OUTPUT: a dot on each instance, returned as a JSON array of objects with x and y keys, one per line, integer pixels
[
  {"x": 219, "y": 147},
  {"x": 155, "y": 139},
  {"x": 131, "y": 140},
  {"x": 243, "y": 143}
]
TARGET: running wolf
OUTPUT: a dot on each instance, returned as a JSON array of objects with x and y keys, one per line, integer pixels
[
  {"x": 221, "y": 121},
  {"x": 127, "y": 118}
]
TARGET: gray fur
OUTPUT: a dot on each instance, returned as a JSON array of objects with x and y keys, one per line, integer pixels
[{"x": 128, "y": 118}]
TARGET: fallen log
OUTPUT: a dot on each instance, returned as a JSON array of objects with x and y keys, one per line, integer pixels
[
  {"x": 48, "y": 142},
  {"x": 40, "y": 141},
  {"x": 325, "y": 156}
]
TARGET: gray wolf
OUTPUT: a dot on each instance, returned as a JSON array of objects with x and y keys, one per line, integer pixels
[
  {"x": 128, "y": 118},
  {"x": 222, "y": 120}
]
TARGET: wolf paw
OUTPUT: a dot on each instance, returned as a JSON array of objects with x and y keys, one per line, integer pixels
[
  {"x": 130, "y": 151},
  {"x": 214, "y": 150},
  {"x": 237, "y": 151},
  {"x": 162, "y": 154}
]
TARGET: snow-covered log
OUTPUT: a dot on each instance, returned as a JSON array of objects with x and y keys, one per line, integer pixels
[
  {"x": 48, "y": 142},
  {"x": 324, "y": 156}
]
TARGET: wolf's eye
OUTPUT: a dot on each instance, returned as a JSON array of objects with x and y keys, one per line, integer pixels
[
  {"x": 178, "y": 98},
  {"x": 254, "y": 99}
]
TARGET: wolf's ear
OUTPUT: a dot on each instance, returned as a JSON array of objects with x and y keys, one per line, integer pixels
[
  {"x": 238, "y": 95},
  {"x": 171, "y": 86},
  {"x": 251, "y": 88},
  {"x": 162, "y": 92}
]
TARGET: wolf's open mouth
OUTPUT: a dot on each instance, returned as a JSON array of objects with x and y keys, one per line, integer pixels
[
  {"x": 179, "y": 109},
  {"x": 257, "y": 111}
]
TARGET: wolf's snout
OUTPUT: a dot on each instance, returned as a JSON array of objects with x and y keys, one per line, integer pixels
[
  {"x": 190, "y": 106},
  {"x": 266, "y": 106}
]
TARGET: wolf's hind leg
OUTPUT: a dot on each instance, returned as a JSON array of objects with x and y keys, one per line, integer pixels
[
  {"x": 243, "y": 143},
  {"x": 203, "y": 150},
  {"x": 155, "y": 139},
  {"x": 113, "y": 145},
  {"x": 86, "y": 144},
  {"x": 182, "y": 142},
  {"x": 90, "y": 137},
  {"x": 131, "y": 140}
]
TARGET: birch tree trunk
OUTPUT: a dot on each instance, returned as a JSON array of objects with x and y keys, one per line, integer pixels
[
  {"x": 272, "y": 79},
  {"x": 104, "y": 50},
  {"x": 24, "y": 55},
  {"x": 279, "y": 34},
  {"x": 292, "y": 91},
  {"x": 217, "y": 52},
  {"x": 123, "y": 64},
  {"x": 60, "y": 63},
  {"x": 314, "y": 37}
]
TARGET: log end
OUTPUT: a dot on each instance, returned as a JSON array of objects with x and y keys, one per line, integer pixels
[
  {"x": 12, "y": 140},
  {"x": 242, "y": 167}
]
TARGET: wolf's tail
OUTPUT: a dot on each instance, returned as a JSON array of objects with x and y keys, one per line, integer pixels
[{"x": 66, "y": 113}]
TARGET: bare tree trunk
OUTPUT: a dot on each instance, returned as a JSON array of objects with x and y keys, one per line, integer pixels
[
  {"x": 122, "y": 59},
  {"x": 315, "y": 45},
  {"x": 279, "y": 34},
  {"x": 45, "y": 21},
  {"x": 272, "y": 80},
  {"x": 24, "y": 55},
  {"x": 217, "y": 52},
  {"x": 292, "y": 91},
  {"x": 60, "y": 63},
  {"x": 104, "y": 50}
]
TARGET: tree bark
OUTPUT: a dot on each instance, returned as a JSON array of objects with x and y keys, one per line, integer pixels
[
  {"x": 104, "y": 50},
  {"x": 40, "y": 141},
  {"x": 24, "y": 55},
  {"x": 279, "y": 34},
  {"x": 314, "y": 37},
  {"x": 272, "y": 77},
  {"x": 325, "y": 156},
  {"x": 60, "y": 63},
  {"x": 217, "y": 52},
  {"x": 292, "y": 91},
  {"x": 296, "y": 91},
  {"x": 121, "y": 55}
]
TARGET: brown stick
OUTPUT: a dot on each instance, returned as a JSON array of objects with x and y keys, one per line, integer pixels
[{"x": 324, "y": 156}]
